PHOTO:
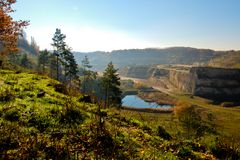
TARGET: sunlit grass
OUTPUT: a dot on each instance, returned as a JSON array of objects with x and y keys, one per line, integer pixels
[{"x": 44, "y": 123}]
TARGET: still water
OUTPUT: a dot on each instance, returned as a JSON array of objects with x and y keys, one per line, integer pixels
[{"x": 136, "y": 102}]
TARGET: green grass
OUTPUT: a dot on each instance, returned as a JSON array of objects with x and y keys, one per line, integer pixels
[
  {"x": 228, "y": 119},
  {"x": 37, "y": 121}
]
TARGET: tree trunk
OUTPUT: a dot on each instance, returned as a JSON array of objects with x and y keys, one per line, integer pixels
[
  {"x": 57, "y": 69},
  {"x": 1, "y": 64}
]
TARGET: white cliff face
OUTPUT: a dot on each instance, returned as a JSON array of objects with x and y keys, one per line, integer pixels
[
  {"x": 182, "y": 80},
  {"x": 208, "y": 82},
  {"x": 205, "y": 82}
]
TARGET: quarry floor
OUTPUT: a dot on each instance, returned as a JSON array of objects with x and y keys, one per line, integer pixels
[{"x": 160, "y": 84}]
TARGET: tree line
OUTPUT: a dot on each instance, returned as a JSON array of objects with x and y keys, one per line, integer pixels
[{"x": 59, "y": 64}]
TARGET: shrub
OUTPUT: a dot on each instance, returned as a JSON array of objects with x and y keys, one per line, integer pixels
[
  {"x": 146, "y": 128},
  {"x": 12, "y": 115},
  {"x": 107, "y": 148},
  {"x": 161, "y": 132},
  {"x": 185, "y": 152},
  {"x": 56, "y": 152},
  {"x": 71, "y": 114},
  {"x": 8, "y": 137},
  {"x": 41, "y": 94},
  {"x": 41, "y": 122},
  {"x": 7, "y": 94},
  {"x": 55, "y": 110},
  {"x": 192, "y": 122},
  {"x": 226, "y": 148},
  {"x": 105, "y": 145},
  {"x": 85, "y": 98},
  {"x": 29, "y": 87},
  {"x": 60, "y": 88},
  {"x": 135, "y": 122},
  {"x": 180, "y": 108}
]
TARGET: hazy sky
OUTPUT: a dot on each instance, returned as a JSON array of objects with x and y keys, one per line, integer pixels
[{"x": 121, "y": 24}]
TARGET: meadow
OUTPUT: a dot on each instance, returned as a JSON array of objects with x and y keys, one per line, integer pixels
[{"x": 40, "y": 118}]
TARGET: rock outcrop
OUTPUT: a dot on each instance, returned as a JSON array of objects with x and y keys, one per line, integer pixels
[
  {"x": 183, "y": 80},
  {"x": 217, "y": 83},
  {"x": 213, "y": 83}
]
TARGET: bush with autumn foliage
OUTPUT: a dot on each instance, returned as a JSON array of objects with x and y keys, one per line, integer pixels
[
  {"x": 9, "y": 29},
  {"x": 193, "y": 123}
]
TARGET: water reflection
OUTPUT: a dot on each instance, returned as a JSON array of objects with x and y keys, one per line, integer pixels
[{"x": 136, "y": 102}]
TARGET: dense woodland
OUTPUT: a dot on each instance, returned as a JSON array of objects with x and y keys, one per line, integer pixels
[{"x": 52, "y": 107}]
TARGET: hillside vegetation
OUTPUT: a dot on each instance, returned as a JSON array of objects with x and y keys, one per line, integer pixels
[
  {"x": 229, "y": 60},
  {"x": 77, "y": 114},
  {"x": 39, "y": 119},
  {"x": 150, "y": 56}
]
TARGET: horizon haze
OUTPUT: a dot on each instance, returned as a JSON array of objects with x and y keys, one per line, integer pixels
[{"x": 107, "y": 25}]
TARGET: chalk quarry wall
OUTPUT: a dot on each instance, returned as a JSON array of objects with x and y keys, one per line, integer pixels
[
  {"x": 183, "y": 80},
  {"x": 216, "y": 83}
]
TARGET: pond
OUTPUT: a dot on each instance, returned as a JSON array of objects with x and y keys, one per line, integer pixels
[{"x": 136, "y": 102}]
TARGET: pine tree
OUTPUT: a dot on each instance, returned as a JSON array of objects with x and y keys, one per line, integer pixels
[
  {"x": 54, "y": 67},
  {"x": 59, "y": 41},
  {"x": 71, "y": 67},
  {"x": 111, "y": 84},
  {"x": 63, "y": 57},
  {"x": 43, "y": 60},
  {"x": 14, "y": 58},
  {"x": 25, "y": 62},
  {"x": 59, "y": 46},
  {"x": 88, "y": 76}
]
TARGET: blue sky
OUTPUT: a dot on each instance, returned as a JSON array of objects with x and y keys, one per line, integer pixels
[{"x": 121, "y": 24}]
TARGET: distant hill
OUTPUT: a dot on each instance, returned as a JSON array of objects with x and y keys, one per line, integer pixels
[
  {"x": 149, "y": 56},
  {"x": 230, "y": 59}
]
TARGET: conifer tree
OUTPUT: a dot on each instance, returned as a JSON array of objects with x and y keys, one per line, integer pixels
[
  {"x": 59, "y": 41},
  {"x": 14, "y": 58},
  {"x": 71, "y": 67},
  {"x": 43, "y": 60},
  {"x": 111, "y": 84},
  {"x": 62, "y": 56},
  {"x": 25, "y": 62},
  {"x": 59, "y": 46},
  {"x": 54, "y": 67},
  {"x": 88, "y": 76}
]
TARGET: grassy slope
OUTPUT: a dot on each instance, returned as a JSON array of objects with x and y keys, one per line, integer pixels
[
  {"x": 38, "y": 121},
  {"x": 227, "y": 119}
]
